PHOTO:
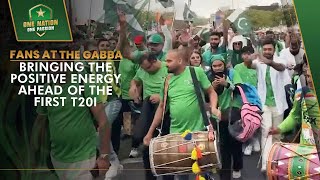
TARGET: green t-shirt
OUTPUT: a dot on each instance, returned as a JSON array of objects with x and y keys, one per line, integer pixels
[
  {"x": 72, "y": 132},
  {"x": 151, "y": 82},
  {"x": 208, "y": 53},
  {"x": 162, "y": 56},
  {"x": 128, "y": 70},
  {"x": 247, "y": 75},
  {"x": 270, "y": 100},
  {"x": 224, "y": 101},
  {"x": 234, "y": 58},
  {"x": 182, "y": 101}
]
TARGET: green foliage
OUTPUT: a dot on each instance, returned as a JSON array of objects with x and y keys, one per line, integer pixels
[{"x": 200, "y": 21}]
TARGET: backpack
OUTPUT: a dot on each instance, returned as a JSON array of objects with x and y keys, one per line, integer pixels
[
  {"x": 249, "y": 90},
  {"x": 250, "y": 122}
]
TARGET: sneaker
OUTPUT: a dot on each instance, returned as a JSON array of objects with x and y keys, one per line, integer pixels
[
  {"x": 236, "y": 174},
  {"x": 248, "y": 150},
  {"x": 113, "y": 171},
  {"x": 133, "y": 153},
  {"x": 256, "y": 145}
]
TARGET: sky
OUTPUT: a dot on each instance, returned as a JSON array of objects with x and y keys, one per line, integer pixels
[{"x": 204, "y": 8}]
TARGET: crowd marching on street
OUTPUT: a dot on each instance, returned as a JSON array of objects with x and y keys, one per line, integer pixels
[{"x": 156, "y": 94}]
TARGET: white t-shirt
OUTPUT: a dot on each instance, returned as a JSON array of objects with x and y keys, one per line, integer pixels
[{"x": 291, "y": 60}]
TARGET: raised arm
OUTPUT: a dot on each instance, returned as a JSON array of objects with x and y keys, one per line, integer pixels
[
  {"x": 167, "y": 35},
  {"x": 123, "y": 44},
  {"x": 226, "y": 26}
]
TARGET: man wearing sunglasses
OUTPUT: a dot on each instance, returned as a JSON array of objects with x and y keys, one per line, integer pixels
[{"x": 234, "y": 52}]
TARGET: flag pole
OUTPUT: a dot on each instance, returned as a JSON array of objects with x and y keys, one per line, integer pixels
[
  {"x": 148, "y": 18},
  {"x": 90, "y": 16}
]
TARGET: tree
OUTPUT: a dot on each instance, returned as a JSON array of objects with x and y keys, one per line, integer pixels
[{"x": 289, "y": 16}]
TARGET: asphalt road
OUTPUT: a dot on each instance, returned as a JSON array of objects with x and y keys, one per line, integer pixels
[{"x": 133, "y": 167}]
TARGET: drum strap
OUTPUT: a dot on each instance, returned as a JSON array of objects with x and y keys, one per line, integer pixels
[
  {"x": 315, "y": 134},
  {"x": 165, "y": 97},
  {"x": 197, "y": 88}
]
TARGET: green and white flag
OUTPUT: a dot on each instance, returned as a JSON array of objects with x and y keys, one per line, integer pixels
[
  {"x": 240, "y": 21},
  {"x": 166, "y": 3}
]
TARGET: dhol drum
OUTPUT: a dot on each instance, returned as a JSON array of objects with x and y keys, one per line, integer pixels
[
  {"x": 171, "y": 154},
  {"x": 293, "y": 161}
]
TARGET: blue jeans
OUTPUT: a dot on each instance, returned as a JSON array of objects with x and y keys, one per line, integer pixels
[{"x": 112, "y": 110}]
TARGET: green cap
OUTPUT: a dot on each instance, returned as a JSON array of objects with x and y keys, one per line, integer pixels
[
  {"x": 217, "y": 57},
  {"x": 156, "y": 38}
]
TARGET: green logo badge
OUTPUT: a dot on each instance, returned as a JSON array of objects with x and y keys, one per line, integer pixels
[
  {"x": 42, "y": 15},
  {"x": 36, "y": 21}
]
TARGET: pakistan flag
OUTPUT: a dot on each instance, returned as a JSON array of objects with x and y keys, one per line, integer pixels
[{"x": 240, "y": 22}]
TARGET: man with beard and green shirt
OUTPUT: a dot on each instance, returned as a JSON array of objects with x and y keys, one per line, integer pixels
[
  {"x": 182, "y": 101},
  {"x": 149, "y": 77},
  {"x": 215, "y": 49},
  {"x": 157, "y": 45},
  {"x": 215, "y": 40}
]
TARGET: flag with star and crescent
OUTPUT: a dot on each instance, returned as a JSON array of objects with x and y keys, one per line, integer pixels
[
  {"x": 44, "y": 21},
  {"x": 243, "y": 25},
  {"x": 240, "y": 22}
]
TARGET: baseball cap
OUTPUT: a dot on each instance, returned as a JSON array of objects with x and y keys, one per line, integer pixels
[
  {"x": 156, "y": 39},
  {"x": 138, "y": 39}
]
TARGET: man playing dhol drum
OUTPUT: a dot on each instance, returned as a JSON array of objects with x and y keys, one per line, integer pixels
[
  {"x": 309, "y": 103},
  {"x": 182, "y": 100},
  {"x": 298, "y": 161}
]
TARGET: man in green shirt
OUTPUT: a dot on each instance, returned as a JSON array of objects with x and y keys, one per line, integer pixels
[
  {"x": 184, "y": 108},
  {"x": 73, "y": 135},
  {"x": 247, "y": 75},
  {"x": 215, "y": 49},
  {"x": 149, "y": 77},
  {"x": 155, "y": 44}
]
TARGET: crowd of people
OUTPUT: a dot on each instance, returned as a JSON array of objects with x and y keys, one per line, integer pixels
[{"x": 269, "y": 63}]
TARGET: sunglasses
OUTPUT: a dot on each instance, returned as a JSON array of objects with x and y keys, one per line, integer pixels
[{"x": 237, "y": 43}]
